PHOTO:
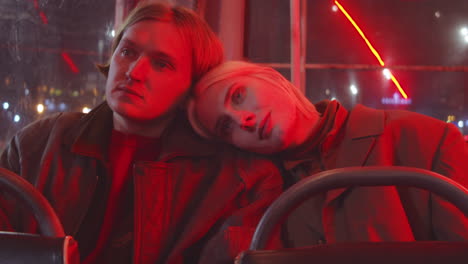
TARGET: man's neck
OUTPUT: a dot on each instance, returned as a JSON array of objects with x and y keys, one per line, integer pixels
[{"x": 147, "y": 128}]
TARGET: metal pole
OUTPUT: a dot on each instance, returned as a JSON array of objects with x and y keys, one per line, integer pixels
[
  {"x": 231, "y": 28},
  {"x": 297, "y": 56},
  {"x": 303, "y": 45},
  {"x": 122, "y": 8}
]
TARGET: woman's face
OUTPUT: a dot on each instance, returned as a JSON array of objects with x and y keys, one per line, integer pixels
[{"x": 248, "y": 113}]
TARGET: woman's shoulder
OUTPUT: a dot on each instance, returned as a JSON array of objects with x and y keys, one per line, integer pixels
[
  {"x": 397, "y": 119},
  {"x": 251, "y": 167},
  {"x": 408, "y": 121}
]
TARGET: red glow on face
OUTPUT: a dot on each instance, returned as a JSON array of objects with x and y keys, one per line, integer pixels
[
  {"x": 70, "y": 62},
  {"x": 372, "y": 49}
]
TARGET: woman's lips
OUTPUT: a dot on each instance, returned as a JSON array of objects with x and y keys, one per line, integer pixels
[{"x": 264, "y": 131}]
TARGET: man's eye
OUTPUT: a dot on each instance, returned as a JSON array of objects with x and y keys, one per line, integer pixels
[
  {"x": 161, "y": 64},
  {"x": 238, "y": 95}
]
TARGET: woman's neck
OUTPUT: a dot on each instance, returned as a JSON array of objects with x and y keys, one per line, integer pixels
[{"x": 306, "y": 126}]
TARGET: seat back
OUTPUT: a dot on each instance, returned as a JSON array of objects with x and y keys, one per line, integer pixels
[
  {"x": 19, "y": 248},
  {"x": 394, "y": 252},
  {"x": 430, "y": 252},
  {"x": 53, "y": 247}
]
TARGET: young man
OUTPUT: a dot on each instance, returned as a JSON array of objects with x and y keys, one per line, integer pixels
[{"x": 130, "y": 181}]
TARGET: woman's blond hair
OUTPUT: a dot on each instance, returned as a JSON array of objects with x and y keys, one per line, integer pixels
[{"x": 233, "y": 69}]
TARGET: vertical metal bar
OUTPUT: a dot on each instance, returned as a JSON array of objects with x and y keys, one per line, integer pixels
[
  {"x": 303, "y": 45},
  {"x": 231, "y": 28},
  {"x": 295, "y": 17},
  {"x": 201, "y": 7},
  {"x": 186, "y": 3},
  {"x": 122, "y": 8},
  {"x": 119, "y": 13}
]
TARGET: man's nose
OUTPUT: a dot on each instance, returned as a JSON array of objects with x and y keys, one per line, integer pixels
[
  {"x": 138, "y": 69},
  {"x": 247, "y": 120}
]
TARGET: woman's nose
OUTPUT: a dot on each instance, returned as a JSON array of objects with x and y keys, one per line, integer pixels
[
  {"x": 247, "y": 120},
  {"x": 138, "y": 69}
]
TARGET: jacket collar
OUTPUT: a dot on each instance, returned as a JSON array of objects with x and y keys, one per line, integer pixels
[
  {"x": 180, "y": 140},
  {"x": 333, "y": 120},
  {"x": 365, "y": 122},
  {"x": 364, "y": 125},
  {"x": 91, "y": 137}
]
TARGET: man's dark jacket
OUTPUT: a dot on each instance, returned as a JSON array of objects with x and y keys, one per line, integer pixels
[{"x": 195, "y": 193}]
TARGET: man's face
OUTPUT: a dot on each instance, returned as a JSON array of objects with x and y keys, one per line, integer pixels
[{"x": 150, "y": 71}]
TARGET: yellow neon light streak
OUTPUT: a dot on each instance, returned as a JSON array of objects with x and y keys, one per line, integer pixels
[
  {"x": 397, "y": 84},
  {"x": 373, "y": 50}
]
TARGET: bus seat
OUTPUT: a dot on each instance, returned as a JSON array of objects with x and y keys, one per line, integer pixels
[
  {"x": 52, "y": 246},
  {"x": 363, "y": 252}
]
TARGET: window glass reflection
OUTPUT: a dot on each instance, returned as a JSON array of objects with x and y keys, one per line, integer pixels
[
  {"x": 48, "y": 51},
  {"x": 423, "y": 44}
]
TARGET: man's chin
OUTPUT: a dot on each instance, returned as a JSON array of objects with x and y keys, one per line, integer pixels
[{"x": 142, "y": 116}]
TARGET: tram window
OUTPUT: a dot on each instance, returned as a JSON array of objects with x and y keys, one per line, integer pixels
[
  {"x": 423, "y": 44},
  {"x": 49, "y": 48},
  {"x": 47, "y": 54}
]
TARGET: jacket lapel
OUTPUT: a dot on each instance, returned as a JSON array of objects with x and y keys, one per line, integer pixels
[
  {"x": 179, "y": 140},
  {"x": 362, "y": 129},
  {"x": 92, "y": 134}
]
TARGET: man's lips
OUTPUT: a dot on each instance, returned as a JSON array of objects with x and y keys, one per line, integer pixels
[
  {"x": 128, "y": 90},
  {"x": 264, "y": 130}
]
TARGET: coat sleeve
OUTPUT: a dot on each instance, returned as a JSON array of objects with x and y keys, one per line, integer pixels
[
  {"x": 23, "y": 153},
  {"x": 449, "y": 223},
  {"x": 9, "y": 159},
  {"x": 263, "y": 184}
]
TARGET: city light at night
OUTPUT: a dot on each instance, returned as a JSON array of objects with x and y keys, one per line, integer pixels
[
  {"x": 353, "y": 89},
  {"x": 40, "y": 108},
  {"x": 371, "y": 47}
]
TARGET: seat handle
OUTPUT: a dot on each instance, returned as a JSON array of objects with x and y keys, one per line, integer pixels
[
  {"x": 356, "y": 176},
  {"x": 48, "y": 221}
]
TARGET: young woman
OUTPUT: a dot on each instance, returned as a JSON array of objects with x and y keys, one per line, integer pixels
[{"x": 255, "y": 108}]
